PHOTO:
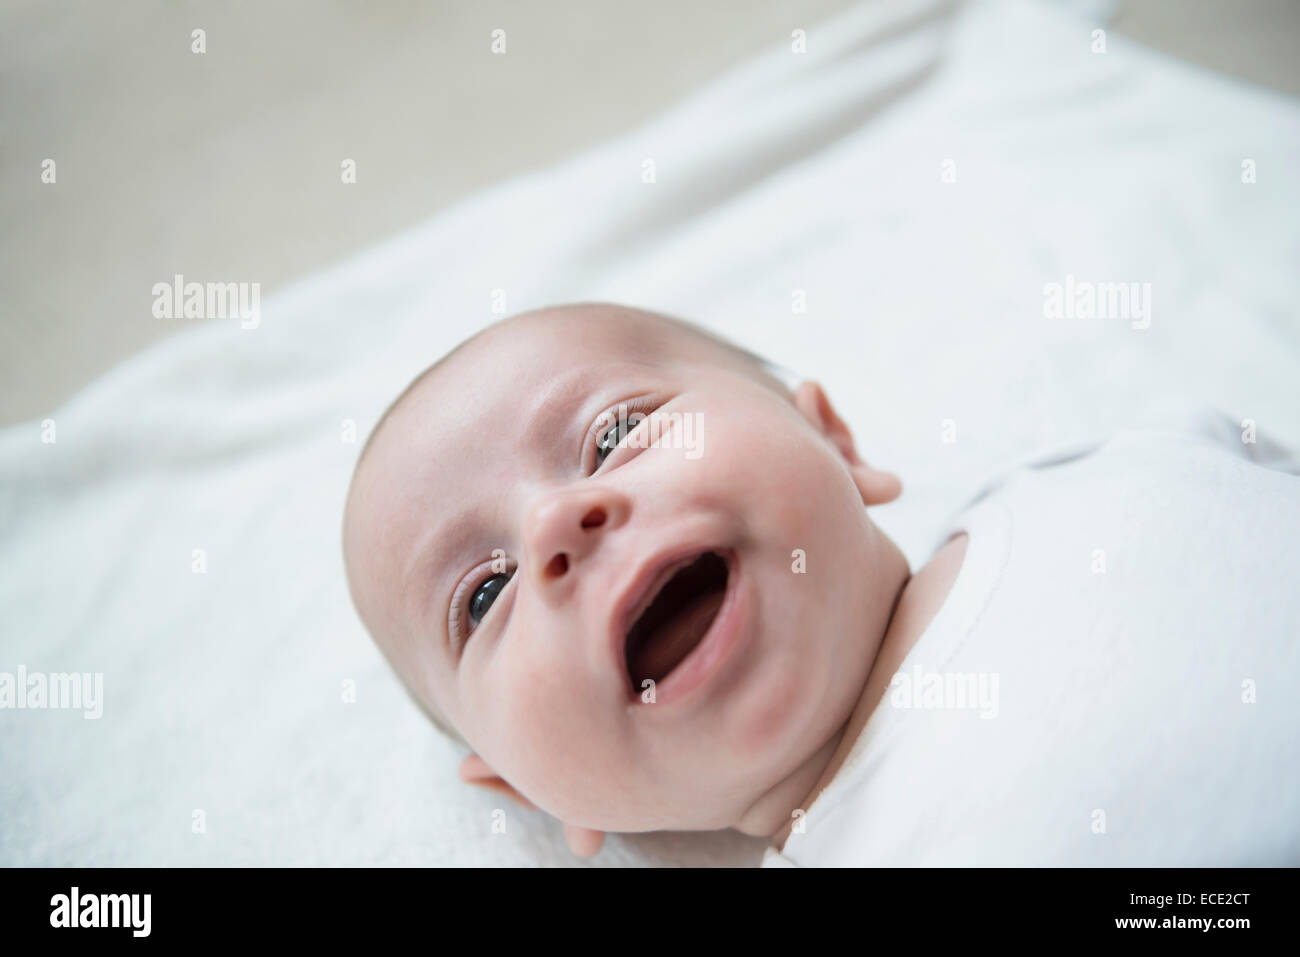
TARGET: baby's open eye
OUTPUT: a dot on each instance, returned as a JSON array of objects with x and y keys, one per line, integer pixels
[
  {"x": 613, "y": 426},
  {"x": 609, "y": 439},
  {"x": 616, "y": 433},
  {"x": 485, "y": 595}
]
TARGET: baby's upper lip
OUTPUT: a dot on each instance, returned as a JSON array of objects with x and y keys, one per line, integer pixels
[{"x": 640, "y": 589}]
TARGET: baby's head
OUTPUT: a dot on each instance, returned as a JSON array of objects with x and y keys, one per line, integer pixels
[{"x": 625, "y": 563}]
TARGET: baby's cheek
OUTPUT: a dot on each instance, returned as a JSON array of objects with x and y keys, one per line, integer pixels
[
  {"x": 540, "y": 712},
  {"x": 792, "y": 480},
  {"x": 529, "y": 704},
  {"x": 787, "y": 689}
]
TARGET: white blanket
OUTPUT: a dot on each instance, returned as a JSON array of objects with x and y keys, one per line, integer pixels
[{"x": 225, "y": 736}]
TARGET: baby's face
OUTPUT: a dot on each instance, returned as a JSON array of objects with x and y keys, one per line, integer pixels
[{"x": 504, "y": 559}]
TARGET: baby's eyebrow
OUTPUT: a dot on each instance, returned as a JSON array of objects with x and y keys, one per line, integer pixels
[
  {"x": 558, "y": 404},
  {"x": 450, "y": 536},
  {"x": 425, "y": 567}
]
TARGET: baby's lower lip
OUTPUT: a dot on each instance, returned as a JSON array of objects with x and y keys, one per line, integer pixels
[{"x": 708, "y": 659}]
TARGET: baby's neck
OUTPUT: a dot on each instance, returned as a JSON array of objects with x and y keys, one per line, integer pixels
[{"x": 918, "y": 600}]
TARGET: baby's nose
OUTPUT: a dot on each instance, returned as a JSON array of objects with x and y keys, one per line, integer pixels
[{"x": 564, "y": 527}]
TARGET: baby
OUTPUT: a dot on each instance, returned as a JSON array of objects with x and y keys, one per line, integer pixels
[{"x": 636, "y": 574}]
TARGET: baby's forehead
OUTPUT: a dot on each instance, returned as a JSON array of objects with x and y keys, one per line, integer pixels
[
  {"x": 520, "y": 360},
  {"x": 550, "y": 341}
]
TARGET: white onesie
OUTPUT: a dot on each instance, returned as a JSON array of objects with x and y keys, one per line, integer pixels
[{"x": 1114, "y": 678}]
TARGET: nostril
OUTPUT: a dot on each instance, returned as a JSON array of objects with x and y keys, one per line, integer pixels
[
  {"x": 594, "y": 519},
  {"x": 557, "y": 566}
]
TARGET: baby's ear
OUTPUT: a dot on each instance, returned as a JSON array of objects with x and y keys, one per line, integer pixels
[
  {"x": 583, "y": 841},
  {"x": 875, "y": 486}
]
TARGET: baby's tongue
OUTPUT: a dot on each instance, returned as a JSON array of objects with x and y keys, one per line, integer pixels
[{"x": 664, "y": 649}]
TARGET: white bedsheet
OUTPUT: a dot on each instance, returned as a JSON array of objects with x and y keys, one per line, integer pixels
[{"x": 818, "y": 172}]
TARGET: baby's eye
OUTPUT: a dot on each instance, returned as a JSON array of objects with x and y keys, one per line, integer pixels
[
  {"x": 615, "y": 434},
  {"x": 615, "y": 425},
  {"x": 485, "y": 595}
]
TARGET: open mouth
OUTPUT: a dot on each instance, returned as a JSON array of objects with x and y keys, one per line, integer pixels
[{"x": 677, "y": 619}]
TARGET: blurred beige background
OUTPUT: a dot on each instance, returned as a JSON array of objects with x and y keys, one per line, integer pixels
[{"x": 226, "y": 166}]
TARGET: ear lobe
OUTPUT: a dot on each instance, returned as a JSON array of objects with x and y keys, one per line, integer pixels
[
  {"x": 875, "y": 487},
  {"x": 582, "y": 841}
]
